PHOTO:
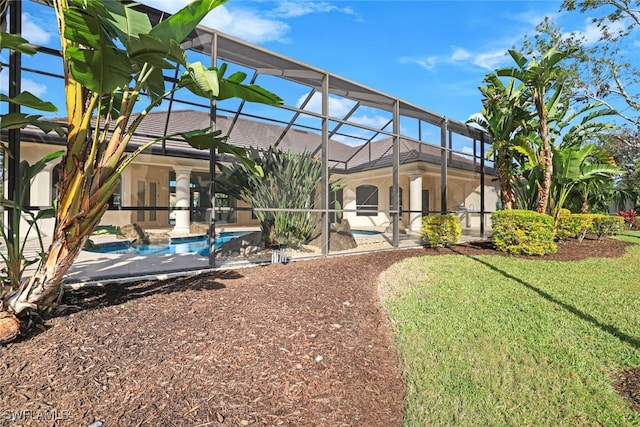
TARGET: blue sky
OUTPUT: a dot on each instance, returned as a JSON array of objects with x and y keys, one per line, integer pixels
[{"x": 430, "y": 53}]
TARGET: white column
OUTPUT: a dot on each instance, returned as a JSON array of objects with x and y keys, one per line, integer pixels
[
  {"x": 183, "y": 174},
  {"x": 415, "y": 202}
]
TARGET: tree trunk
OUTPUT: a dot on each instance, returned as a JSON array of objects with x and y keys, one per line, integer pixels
[
  {"x": 546, "y": 157},
  {"x": 9, "y": 327},
  {"x": 43, "y": 289},
  {"x": 508, "y": 195},
  {"x": 584, "y": 208}
]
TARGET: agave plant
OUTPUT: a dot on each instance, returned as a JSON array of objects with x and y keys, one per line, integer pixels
[
  {"x": 283, "y": 197},
  {"x": 113, "y": 60}
]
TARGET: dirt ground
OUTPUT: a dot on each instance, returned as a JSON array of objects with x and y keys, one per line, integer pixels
[{"x": 301, "y": 344}]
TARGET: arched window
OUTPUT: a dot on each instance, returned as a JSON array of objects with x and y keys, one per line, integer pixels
[
  {"x": 391, "y": 198},
  {"x": 367, "y": 200}
]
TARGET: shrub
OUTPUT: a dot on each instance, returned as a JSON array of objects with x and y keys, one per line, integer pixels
[
  {"x": 569, "y": 226},
  {"x": 630, "y": 218},
  {"x": 587, "y": 223},
  {"x": 607, "y": 225},
  {"x": 576, "y": 225},
  {"x": 441, "y": 230},
  {"x": 523, "y": 232}
]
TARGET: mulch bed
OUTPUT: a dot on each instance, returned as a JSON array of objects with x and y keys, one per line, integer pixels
[{"x": 301, "y": 344}]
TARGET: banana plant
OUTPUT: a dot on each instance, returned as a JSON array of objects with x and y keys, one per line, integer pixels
[
  {"x": 543, "y": 86},
  {"x": 113, "y": 60},
  {"x": 503, "y": 116},
  {"x": 576, "y": 165}
]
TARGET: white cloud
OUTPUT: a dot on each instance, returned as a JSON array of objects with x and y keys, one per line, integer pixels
[
  {"x": 34, "y": 87},
  {"x": 532, "y": 17},
  {"x": 246, "y": 25},
  {"x": 33, "y": 32},
  {"x": 338, "y": 107},
  {"x": 488, "y": 60},
  {"x": 460, "y": 54},
  {"x": 27, "y": 84},
  {"x": 428, "y": 63},
  {"x": 243, "y": 23},
  {"x": 251, "y": 25},
  {"x": 376, "y": 122},
  {"x": 292, "y": 9}
]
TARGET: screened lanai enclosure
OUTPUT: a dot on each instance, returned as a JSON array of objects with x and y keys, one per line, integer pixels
[{"x": 378, "y": 165}]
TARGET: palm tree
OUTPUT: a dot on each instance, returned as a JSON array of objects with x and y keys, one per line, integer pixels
[
  {"x": 503, "y": 116},
  {"x": 112, "y": 59}
]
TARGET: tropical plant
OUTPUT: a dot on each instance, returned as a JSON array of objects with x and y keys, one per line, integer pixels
[
  {"x": 283, "y": 197},
  {"x": 543, "y": 86},
  {"x": 503, "y": 116},
  {"x": 113, "y": 58},
  {"x": 554, "y": 119},
  {"x": 630, "y": 218},
  {"x": 15, "y": 257},
  {"x": 575, "y": 165}
]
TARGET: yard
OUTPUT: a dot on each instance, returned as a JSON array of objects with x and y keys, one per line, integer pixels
[
  {"x": 483, "y": 339},
  {"x": 495, "y": 340}
]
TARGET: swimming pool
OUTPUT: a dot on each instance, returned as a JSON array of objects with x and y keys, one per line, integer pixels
[{"x": 178, "y": 245}]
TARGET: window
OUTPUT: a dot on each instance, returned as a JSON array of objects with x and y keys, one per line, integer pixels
[
  {"x": 391, "y": 198},
  {"x": 367, "y": 200},
  {"x": 153, "y": 202},
  {"x": 225, "y": 209},
  {"x": 141, "y": 195}
]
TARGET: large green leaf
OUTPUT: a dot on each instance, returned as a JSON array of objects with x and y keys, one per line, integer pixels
[
  {"x": 148, "y": 49},
  {"x": 204, "y": 139},
  {"x": 83, "y": 28},
  {"x": 207, "y": 139},
  {"x": 101, "y": 70},
  {"x": 34, "y": 169},
  {"x": 94, "y": 59},
  {"x": 15, "y": 42},
  {"x": 179, "y": 25},
  {"x": 127, "y": 23},
  {"x": 201, "y": 80},
  {"x": 22, "y": 120},
  {"x": 27, "y": 99},
  {"x": 231, "y": 88}
]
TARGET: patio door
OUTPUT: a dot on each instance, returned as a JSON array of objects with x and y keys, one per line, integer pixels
[{"x": 425, "y": 202}]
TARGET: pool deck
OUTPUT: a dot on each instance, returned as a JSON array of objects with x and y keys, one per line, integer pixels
[{"x": 97, "y": 269}]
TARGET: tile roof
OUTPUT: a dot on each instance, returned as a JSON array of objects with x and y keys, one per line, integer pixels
[{"x": 262, "y": 134}]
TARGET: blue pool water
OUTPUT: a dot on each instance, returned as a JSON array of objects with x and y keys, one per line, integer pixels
[{"x": 197, "y": 244}]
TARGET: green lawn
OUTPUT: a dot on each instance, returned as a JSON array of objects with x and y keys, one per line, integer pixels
[{"x": 493, "y": 340}]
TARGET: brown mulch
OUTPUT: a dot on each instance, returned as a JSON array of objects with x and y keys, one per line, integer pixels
[{"x": 301, "y": 344}]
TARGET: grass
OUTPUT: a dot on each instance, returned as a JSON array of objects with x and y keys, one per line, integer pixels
[{"x": 493, "y": 340}]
